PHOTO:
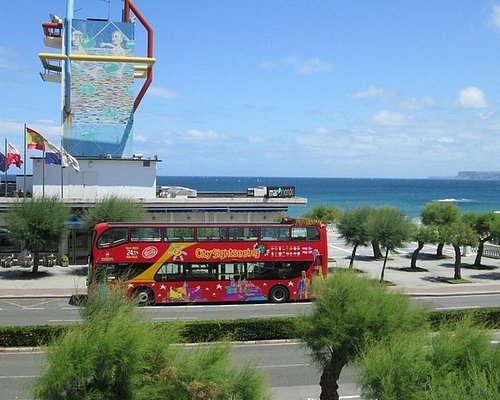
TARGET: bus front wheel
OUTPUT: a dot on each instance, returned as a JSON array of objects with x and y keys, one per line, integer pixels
[
  {"x": 279, "y": 294},
  {"x": 144, "y": 296}
]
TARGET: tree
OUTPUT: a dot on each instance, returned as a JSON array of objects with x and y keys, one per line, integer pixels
[
  {"x": 352, "y": 226},
  {"x": 459, "y": 234},
  {"x": 112, "y": 209},
  {"x": 423, "y": 234},
  {"x": 326, "y": 214},
  {"x": 458, "y": 362},
  {"x": 37, "y": 223},
  {"x": 487, "y": 226},
  {"x": 349, "y": 315},
  {"x": 390, "y": 228},
  {"x": 114, "y": 355},
  {"x": 441, "y": 215}
]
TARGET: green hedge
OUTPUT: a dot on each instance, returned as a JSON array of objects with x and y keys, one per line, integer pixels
[
  {"x": 488, "y": 317},
  {"x": 233, "y": 330}
]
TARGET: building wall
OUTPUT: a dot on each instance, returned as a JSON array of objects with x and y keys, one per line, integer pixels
[
  {"x": 102, "y": 93},
  {"x": 98, "y": 178}
]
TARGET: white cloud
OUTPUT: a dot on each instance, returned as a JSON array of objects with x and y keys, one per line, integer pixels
[
  {"x": 472, "y": 97},
  {"x": 495, "y": 16},
  {"x": 13, "y": 130},
  {"x": 258, "y": 139},
  {"x": 372, "y": 91},
  {"x": 163, "y": 92},
  {"x": 303, "y": 67},
  {"x": 418, "y": 103},
  {"x": 388, "y": 118},
  {"x": 195, "y": 134}
]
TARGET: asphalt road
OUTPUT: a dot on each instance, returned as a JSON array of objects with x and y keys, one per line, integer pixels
[
  {"x": 289, "y": 373},
  {"x": 57, "y": 311}
]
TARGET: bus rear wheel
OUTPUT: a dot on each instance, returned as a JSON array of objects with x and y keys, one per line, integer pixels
[
  {"x": 279, "y": 294},
  {"x": 144, "y": 296}
]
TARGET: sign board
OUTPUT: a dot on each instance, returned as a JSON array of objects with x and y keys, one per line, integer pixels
[{"x": 280, "y": 191}]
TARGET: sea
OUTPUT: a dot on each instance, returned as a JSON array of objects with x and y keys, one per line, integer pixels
[{"x": 407, "y": 195}]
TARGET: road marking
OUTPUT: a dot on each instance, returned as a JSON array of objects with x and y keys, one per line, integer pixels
[
  {"x": 33, "y": 308},
  {"x": 171, "y": 318},
  {"x": 20, "y": 377},
  {"x": 455, "y": 296},
  {"x": 12, "y": 304},
  {"x": 269, "y": 315},
  {"x": 43, "y": 302},
  {"x": 456, "y": 308},
  {"x": 284, "y": 365},
  {"x": 339, "y": 248},
  {"x": 65, "y": 320}
]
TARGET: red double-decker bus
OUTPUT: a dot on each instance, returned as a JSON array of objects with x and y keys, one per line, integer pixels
[{"x": 210, "y": 262}]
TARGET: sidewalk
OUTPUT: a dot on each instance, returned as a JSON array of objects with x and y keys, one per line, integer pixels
[
  {"x": 432, "y": 278},
  {"x": 430, "y": 281},
  {"x": 49, "y": 282}
]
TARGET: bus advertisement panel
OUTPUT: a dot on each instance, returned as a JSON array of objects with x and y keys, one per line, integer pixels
[{"x": 192, "y": 263}]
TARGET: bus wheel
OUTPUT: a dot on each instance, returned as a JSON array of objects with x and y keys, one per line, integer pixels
[
  {"x": 144, "y": 296},
  {"x": 279, "y": 294}
]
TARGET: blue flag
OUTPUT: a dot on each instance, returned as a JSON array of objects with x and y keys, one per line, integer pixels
[
  {"x": 52, "y": 154},
  {"x": 53, "y": 158},
  {"x": 2, "y": 162}
]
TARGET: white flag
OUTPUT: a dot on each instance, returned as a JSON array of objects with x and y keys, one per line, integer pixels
[{"x": 68, "y": 159}]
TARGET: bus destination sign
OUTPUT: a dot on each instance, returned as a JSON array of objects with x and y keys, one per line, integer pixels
[{"x": 280, "y": 191}]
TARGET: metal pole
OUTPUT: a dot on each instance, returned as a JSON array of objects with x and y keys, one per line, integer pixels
[
  {"x": 62, "y": 180},
  {"x": 25, "y": 144},
  {"x": 68, "y": 31},
  {"x": 6, "y": 167},
  {"x": 43, "y": 172}
]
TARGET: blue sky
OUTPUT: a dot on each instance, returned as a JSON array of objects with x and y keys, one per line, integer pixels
[{"x": 339, "y": 88}]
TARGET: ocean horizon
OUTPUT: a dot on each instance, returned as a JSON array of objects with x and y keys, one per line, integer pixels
[{"x": 409, "y": 195}]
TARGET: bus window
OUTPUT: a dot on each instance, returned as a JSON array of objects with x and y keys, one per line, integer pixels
[
  {"x": 211, "y": 233},
  {"x": 247, "y": 233},
  {"x": 6, "y": 245},
  {"x": 179, "y": 234},
  {"x": 113, "y": 237},
  {"x": 299, "y": 233},
  {"x": 312, "y": 233},
  {"x": 199, "y": 272},
  {"x": 274, "y": 233},
  {"x": 169, "y": 272},
  {"x": 228, "y": 271},
  {"x": 144, "y": 234}
]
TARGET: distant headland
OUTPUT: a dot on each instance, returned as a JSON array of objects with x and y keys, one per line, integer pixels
[{"x": 479, "y": 175}]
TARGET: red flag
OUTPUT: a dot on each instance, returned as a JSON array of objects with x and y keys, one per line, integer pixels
[
  {"x": 34, "y": 139},
  {"x": 13, "y": 156}
]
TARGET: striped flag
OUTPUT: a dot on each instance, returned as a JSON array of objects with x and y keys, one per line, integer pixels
[
  {"x": 13, "y": 156},
  {"x": 35, "y": 140}
]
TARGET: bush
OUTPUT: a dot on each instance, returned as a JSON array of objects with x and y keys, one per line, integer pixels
[{"x": 237, "y": 330}]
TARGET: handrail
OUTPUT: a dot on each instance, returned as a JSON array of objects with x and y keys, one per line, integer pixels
[
  {"x": 129, "y": 6},
  {"x": 90, "y": 57}
]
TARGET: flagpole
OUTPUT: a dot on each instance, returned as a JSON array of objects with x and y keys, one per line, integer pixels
[
  {"x": 24, "y": 182},
  {"x": 6, "y": 167},
  {"x": 43, "y": 172},
  {"x": 62, "y": 170}
]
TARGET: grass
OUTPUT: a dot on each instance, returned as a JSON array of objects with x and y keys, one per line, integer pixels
[
  {"x": 457, "y": 281},
  {"x": 417, "y": 269}
]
